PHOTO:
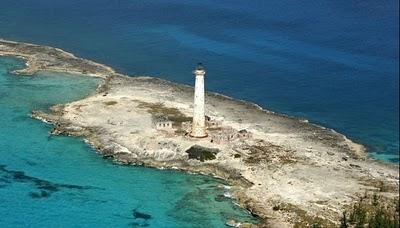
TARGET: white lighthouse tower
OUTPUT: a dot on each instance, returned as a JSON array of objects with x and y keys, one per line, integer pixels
[{"x": 199, "y": 122}]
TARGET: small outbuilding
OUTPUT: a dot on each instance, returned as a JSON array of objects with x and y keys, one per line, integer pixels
[{"x": 163, "y": 123}]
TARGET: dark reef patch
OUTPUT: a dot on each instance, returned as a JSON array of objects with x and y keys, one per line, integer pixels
[
  {"x": 41, "y": 194},
  {"x": 141, "y": 218},
  {"x": 193, "y": 206},
  {"x": 221, "y": 198},
  {"x": 29, "y": 162},
  {"x": 140, "y": 215},
  {"x": 45, "y": 188},
  {"x": 4, "y": 180},
  {"x": 202, "y": 153}
]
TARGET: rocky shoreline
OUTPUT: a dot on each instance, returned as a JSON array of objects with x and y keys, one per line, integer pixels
[
  {"x": 309, "y": 172},
  {"x": 43, "y": 58}
]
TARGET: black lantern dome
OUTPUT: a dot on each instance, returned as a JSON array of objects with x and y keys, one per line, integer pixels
[{"x": 199, "y": 66}]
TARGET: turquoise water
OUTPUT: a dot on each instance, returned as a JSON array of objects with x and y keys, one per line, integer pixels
[
  {"x": 334, "y": 62},
  {"x": 57, "y": 181}
]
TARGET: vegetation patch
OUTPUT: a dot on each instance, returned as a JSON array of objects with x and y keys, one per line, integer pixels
[
  {"x": 202, "y": 153},
  {"x": 303, "y": 218},
  {"x": 370, "y": 210},
  {"x": 159, "y": 109},
  {"x": 380, "y": 185},
  {"x": 373, "y": 211},
  {"x": 237, "y": 155},
  {"x": 265, "y": 152},
  {"x": 108, "y": 103}
]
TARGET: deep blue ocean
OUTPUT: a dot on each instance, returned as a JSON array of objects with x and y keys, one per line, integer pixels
[{"x": 333, "y": 62}]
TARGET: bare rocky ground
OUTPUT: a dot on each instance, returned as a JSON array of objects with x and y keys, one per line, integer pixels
[
  {"x": 51, "y": 59},
  {"x": 289, "y": 173}
]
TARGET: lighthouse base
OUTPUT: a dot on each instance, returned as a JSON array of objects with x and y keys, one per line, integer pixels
[{"x": 204, "y": 135}]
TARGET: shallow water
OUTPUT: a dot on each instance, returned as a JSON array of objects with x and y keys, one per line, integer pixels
[
  {"x": 332, "y": 62},
  {"x": 56, "y": 181}
]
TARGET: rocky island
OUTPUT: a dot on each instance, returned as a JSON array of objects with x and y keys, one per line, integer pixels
[{"x": 285, "y": 170}]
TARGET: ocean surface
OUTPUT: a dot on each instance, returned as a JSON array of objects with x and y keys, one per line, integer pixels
[
  {"x": 333, "y": 62},
  {"x": 57, "y": 181}
]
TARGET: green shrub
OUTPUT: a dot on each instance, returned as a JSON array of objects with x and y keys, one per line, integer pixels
[
  {"x": 372, "y": 212},
  {"x": 110, "y": 102},
  {"x": 202, "y": 153}
]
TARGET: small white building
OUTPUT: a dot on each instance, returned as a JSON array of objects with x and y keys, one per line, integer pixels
[{"x": 163, "y": 123}]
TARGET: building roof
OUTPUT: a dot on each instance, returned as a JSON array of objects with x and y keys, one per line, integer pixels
[{"x": 161, "y": 119}]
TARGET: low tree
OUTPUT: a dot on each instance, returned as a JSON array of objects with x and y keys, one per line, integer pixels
[
  {"x": 372, "y": 212},
  {"x": 343, "y": 221}
]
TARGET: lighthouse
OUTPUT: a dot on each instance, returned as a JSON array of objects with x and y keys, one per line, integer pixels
[{"x": 199, "y": 122}]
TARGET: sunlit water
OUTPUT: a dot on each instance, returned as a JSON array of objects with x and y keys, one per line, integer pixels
[
  {"x": 334, "y": 62},
  {"x": 57, "y": 181}
]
